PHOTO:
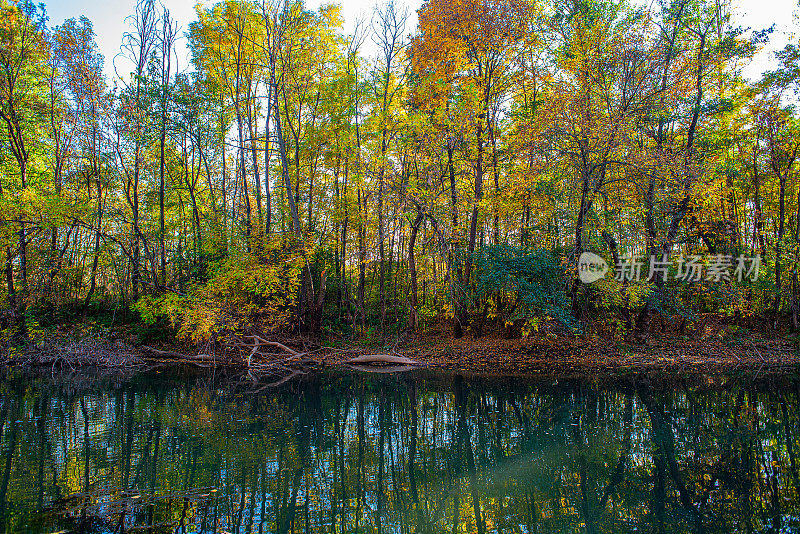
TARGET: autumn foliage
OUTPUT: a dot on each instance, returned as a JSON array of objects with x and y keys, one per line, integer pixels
[{"x": 299, "y": 178}]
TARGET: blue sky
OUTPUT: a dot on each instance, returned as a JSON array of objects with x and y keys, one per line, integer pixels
[{"x": 109, "y": 19}]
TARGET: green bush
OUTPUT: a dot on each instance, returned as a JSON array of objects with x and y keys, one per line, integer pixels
[{"x": 530, "y": 282}]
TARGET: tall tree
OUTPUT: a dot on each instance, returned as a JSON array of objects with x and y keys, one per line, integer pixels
[{"x": 23, "y": 56}]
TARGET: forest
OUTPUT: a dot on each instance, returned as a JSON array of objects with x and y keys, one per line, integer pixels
[{"x": 297, "y": 178}]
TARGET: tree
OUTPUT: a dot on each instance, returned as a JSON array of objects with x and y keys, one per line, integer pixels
[
  {"x": 138, "y": 46},
  {"x": 469, "y": 45},
  {"x": 167, "y": 42},
  {"x": 23, "y": 56}
]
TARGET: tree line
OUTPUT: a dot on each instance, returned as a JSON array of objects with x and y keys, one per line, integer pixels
[{"x": 297, "y": 176}]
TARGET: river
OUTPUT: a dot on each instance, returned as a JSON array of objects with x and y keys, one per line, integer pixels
[{"x": 357, "y": 452}]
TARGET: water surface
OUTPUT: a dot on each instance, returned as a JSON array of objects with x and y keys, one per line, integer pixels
[{"x": 359, "y": 453}]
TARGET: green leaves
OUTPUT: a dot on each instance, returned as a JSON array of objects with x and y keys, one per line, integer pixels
[{"x": 533, "y": 277}]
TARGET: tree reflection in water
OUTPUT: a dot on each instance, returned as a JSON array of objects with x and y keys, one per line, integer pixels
[{"x": 353, "y": 453}]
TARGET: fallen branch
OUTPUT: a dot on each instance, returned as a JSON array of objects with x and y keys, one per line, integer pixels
[
  {"x": 169, "y": 354},
  {"x": 261, "y": 341},
  {"x": 258, "y": 342}
]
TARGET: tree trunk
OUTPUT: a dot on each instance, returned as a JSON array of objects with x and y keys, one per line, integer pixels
[
  {"x": 412, "y": 271},
  {"x": 240, "y": 128},
  {"x": 96, "y": 256},
  {"x": 306, "y": 290},
  {"x": 267, "y": 194},
  {"x": 779, "y": 247},
  {"x": 252, "y": 124},
  {"x": 456, "y": 278}
]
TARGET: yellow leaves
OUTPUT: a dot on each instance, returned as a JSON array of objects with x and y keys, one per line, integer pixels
[
  {"x": 332, "y": 15},
  {"x": 245, "y": 290}
]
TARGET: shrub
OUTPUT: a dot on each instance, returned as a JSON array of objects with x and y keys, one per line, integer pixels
[
  {"x": 532, "y": 278},
  {"x": 245, "y": 292}
]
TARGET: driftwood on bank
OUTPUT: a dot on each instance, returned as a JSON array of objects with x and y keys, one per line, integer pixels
[
  {"x": 169, "y": 354},
  {"x": 264, "y": 362},
  {"x": 388, "y": 369},
  {"x": 62, "y": 353},
  {"x": 285, "y": 364},
  {"x": 382, "y": 360},
  {"x": 268, "y": 363}
]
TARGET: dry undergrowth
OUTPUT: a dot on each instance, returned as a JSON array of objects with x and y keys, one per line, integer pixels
[{"x": 76, "y": 353}]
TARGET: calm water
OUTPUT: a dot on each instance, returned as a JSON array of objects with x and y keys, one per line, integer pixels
[{"x": 357, "y": 453}]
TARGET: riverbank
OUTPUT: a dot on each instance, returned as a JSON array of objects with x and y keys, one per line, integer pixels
[
  {"x": 565, "y": 356},
  {"x": 557, "y": 356}
]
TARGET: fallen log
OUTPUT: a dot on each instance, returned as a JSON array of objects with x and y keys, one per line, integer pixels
[
  {"x": 382, "y": 359},
  {"x": 261, "y": 341},
  {"x": 383, "y": 368}
]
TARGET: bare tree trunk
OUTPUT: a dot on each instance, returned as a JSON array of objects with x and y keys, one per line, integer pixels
[
  {"x": 287, "y": 181},
  {"x": 191, "y": 185},
  {"x": 496, "y": 172},
  {"x": 758, "y": 225},
  {"x": 240, "y": 128},
  {"x": 267, "y": 194},
  {"x": 473, "y": 222},
  {"x": 96, "y": 255},
  {"x": 413, "y": 322},
  {"x": 168, "y": 32},
  {"x": 306, "y": 290},
  {"x": 779, "y": 247},
  {"x": 252, "y": 124},
  {"x": 22, "y": 301},
  {"x": 456, "y": 278},
  {"x": 362, "y": 254},
  {"x": 345, "y": 222},
  {"x": 795, "y": 288}
]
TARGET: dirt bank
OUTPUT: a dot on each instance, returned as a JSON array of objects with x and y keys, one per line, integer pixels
[
  {"x": 556, "y": 356},
  {"x": 562, "y": 356}
]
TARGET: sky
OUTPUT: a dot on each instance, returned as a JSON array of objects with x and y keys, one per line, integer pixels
[{"x": 109, "y": 20}]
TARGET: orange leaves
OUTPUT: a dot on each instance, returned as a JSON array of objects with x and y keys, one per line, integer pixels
[{"x": 463, "y": 41}]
